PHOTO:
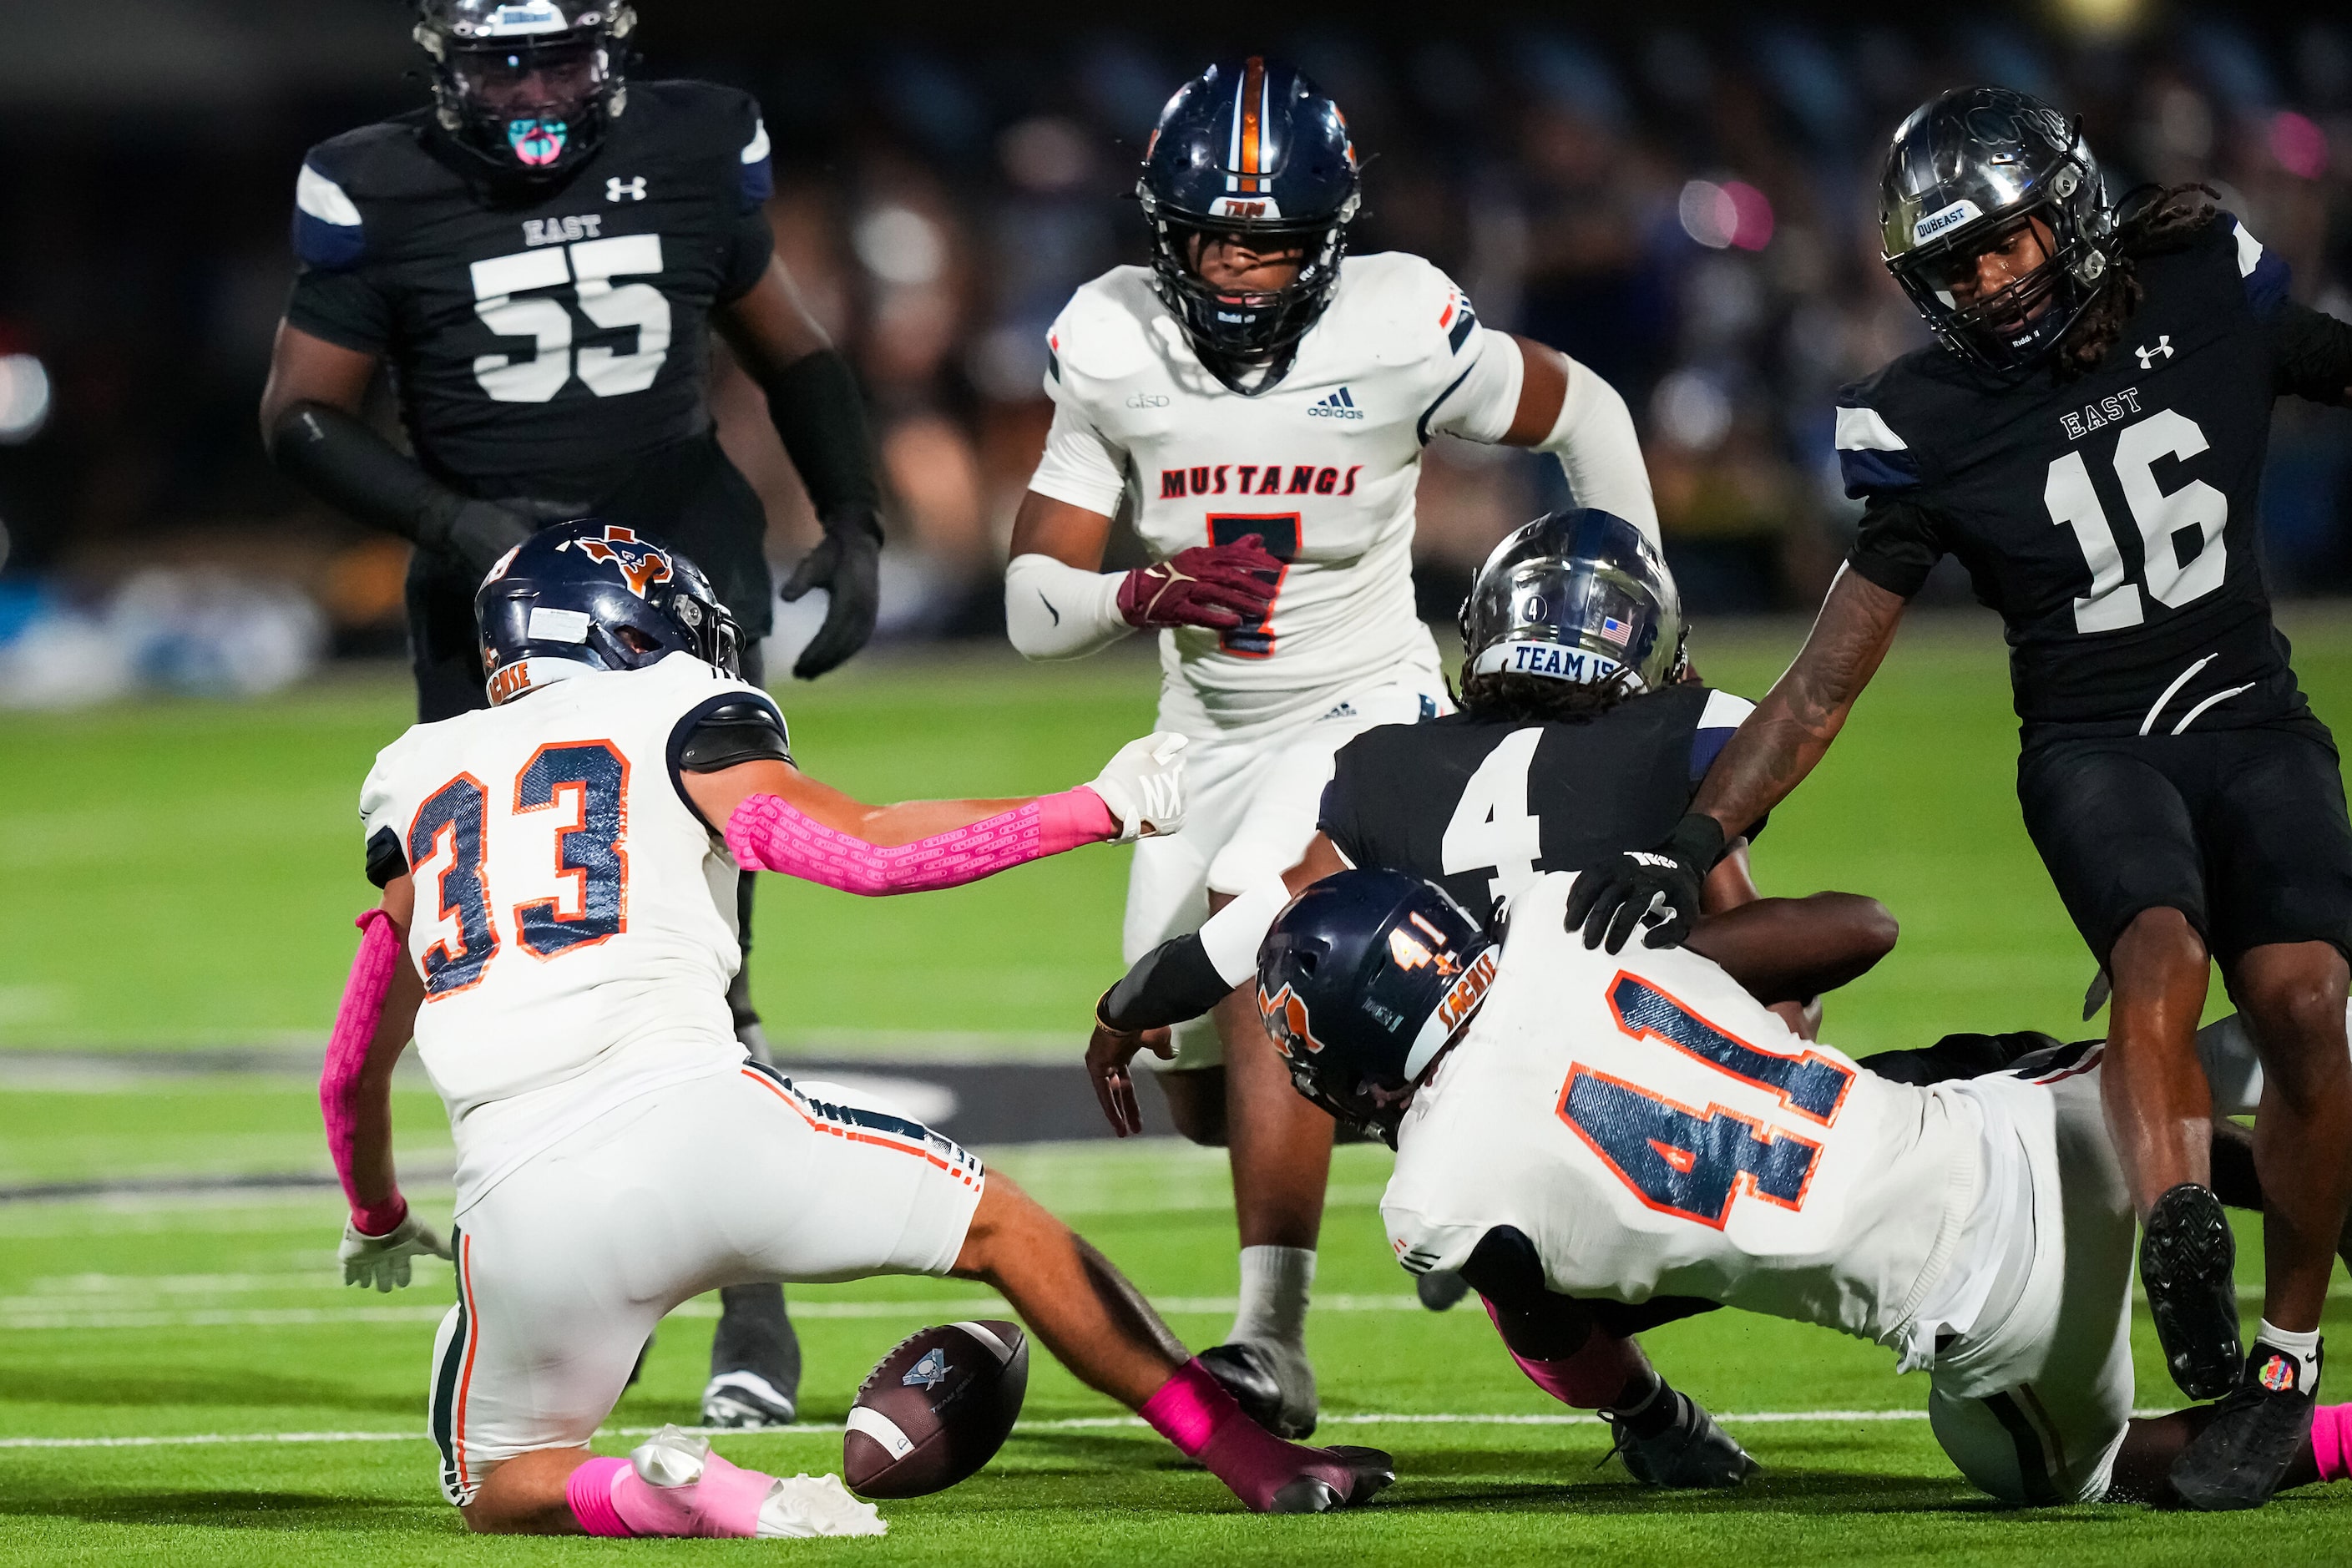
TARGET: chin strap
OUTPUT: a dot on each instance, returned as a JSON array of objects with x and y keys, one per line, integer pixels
[
  {"x": 347, "y": 1054},
  {"x": 767, "y": 833}
]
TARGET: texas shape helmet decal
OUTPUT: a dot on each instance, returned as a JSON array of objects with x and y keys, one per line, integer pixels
[{"x": 642, "y": 564}]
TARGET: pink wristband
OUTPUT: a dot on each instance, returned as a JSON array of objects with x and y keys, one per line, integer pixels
[
  {"x": 767, "y": 833},
  {"x": 347, "y": 1051}
]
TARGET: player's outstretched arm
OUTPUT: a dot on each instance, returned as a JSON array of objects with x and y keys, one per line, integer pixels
[
  {"x": 1059, "y": 604},
  {"x": 1184, "y": 977},
  {"x": 372, "y": 1028},
  {"x": 1773, "y": 752},
  {"x": 819, "y": 414},
  {"x": 776, "y": 818},
  {"x": 1098, "y": 1325},
  {"x": 1788, "y": 950},
  {"x": 311, "y": 429}
]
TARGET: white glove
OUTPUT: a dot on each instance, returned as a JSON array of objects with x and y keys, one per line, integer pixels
[
  {"x": 1144, "y": 786},
  {"x": 382, "y": 1260}
]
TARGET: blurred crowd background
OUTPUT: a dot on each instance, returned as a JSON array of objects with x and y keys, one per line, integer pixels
[{"x": 1687, "y": 206}]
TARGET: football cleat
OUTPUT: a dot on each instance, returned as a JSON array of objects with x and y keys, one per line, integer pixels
[
  {"x": 1692, "y": 1451},
  {"x": 2187, "y": 1261},
  {"x": 2238, "y": 1461},
  {"x": 1440, "y": 1288},
  {"x": 1274, "y": 1389},
  {"x": 1374, "y": 1472},
  {"x": 746, "y": 1401}
]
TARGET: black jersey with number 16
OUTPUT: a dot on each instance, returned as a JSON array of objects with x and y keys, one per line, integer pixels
[
  {"x": 1482, "y": 806},
  {"x": 2111, "y": 518},
  {"x": 543, "y": 338}
]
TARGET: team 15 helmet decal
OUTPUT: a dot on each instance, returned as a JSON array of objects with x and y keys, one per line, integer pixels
[
  {"x": 1250, "y": 148},
  {"x": 591, "y": 596},
  {"x": 1965, "y": 170},
  {"x": 1361, "y": 981},
  {"x": 528, "y": 86},
  {"x": 1577, "y": 595}
]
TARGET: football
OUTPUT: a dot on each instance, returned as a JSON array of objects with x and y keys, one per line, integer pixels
[{"x": 936, "y": 1409}]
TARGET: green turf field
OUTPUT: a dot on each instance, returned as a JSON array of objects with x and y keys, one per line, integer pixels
[{"x": 182, "y": 1381}]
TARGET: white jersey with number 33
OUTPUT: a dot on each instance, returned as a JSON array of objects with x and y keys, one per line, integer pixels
[
  {"x": 1322, "y": 467},
  {"x": 575, "y": 918},
  {"x": 1654, "y": 1130}
]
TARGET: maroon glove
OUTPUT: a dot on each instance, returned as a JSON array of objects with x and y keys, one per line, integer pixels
[{"x": 1220, "y": 586}]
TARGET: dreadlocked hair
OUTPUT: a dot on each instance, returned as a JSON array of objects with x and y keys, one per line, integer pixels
[
  {"x": 1540, "y": 699},
  {"x": 2150, "y": 220}
]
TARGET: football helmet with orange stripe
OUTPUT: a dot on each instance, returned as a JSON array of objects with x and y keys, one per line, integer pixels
[{"x": 1255, "y": 150}]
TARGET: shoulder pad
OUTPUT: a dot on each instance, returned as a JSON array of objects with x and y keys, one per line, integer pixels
[
  {"x": 1393, "y": 290},
  {"x": 2264, "y": 275},
  {"x": 386, "y": 859},
  {"x": 1103, "y": 334},
  {"x": 1874, "y": 458},
  {"x": 1717, "y": 723},
  {"x": 731, "y": 729}
]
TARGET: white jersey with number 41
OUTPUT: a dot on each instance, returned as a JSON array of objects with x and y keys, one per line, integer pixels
[{"x": 1322, "y": 467}]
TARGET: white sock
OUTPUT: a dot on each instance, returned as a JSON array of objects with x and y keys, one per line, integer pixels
[
  {"x": 1275, "y": 1284},
  {"x": 2302, "y": 1347}
]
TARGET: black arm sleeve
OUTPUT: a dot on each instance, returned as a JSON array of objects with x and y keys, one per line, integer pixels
[
  {"x": 1897, "y": 546},
  {"x": 821, "y": 415},
  {"x": 2313, "y": 351},
  {"x": 347, "y": 464},
  {"x": 1173, "y": 983},
  {"x": 385, "y": 858}
]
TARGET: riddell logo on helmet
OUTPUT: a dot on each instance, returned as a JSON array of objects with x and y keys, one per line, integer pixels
[{"x": 641, "y": 565}]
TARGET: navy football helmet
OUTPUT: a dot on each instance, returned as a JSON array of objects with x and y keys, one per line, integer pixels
[
  {"x": 1577, "y": 595},
  {"x": 528, "y": 86},
  {"x": 1361, "y": 981},
  {"x": 589, "y": 595},
  {"x": 1963, "y": 172},
  {"x": 1251, "y": 148}
]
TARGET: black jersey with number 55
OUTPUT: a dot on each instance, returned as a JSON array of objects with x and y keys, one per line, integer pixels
[
  {"x": 2111, "y": 518},
  {"x": 543, "y": 338},
  {"x": 1482, "y": 805}
]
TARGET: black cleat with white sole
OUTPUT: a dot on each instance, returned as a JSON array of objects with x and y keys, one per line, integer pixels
[
  {"x": 2238, "y": 1459},
  {"x": 1690, "y": 1451},
  {"x": 2188, "y": 1259},
  {"x": 755, "y": 1361}
]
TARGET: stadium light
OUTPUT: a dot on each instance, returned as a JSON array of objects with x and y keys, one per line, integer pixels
[
  {"x": 23, "y": 398},
  {"x": 1732, "y": 213}
]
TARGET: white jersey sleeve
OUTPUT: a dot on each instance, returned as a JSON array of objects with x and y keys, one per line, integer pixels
[{"x": 1080, "y": 466}]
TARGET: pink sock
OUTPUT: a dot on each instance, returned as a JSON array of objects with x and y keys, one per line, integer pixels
[
  {"x": 609, "y": 1498},
  {"x": 2331, "y": 1441},
  {"x": 589, "y": 1494},
  {"x": 1591, "y": 1379},
  {"x": 1193, "y": 1411}
]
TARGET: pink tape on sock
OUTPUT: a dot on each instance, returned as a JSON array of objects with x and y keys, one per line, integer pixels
[
  {"x": 1589, "y": 1379},
  {"x": 347, "y": 1051},
  {"x": 2331, "y": 1441},
  {"x": 766, "y": 833},
  {"x": 724, "y": 1503},
  {"x": 589, "y": 1495},
  {"x": 1193, "y": 1411}
]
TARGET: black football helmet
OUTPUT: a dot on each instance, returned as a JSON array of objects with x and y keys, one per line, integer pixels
[
  {"x": 1361, "y": 981},
  {"x": 588, "y": 595},
  {"x": 1251, "y": 148},
  {"x": 528, "y": 86},
  {"x": 1965, "y": 170},
  {"x": 1578, "y": 596}
]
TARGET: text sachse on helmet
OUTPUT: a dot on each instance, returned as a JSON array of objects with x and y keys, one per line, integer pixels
[
  {"x": 592, "y": 595},
  {"x": 1250, "y": 149},
  {"x": 530, "y": 86},
  {"x": 1580, "y": 596},
  {"x": 1361, "y": 981},
  {"x": 1965, "y": 172}
]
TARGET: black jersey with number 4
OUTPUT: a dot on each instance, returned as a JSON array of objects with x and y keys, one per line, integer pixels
[
  {"x": 543, "y": 338},
  {"x": 1482, "y": 806},
  {"x": 2112, "y": 519}
]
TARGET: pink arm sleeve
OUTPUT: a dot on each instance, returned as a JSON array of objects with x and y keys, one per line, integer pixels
[
  {"x": 347, "y": 1053},
  {"x": 767, "y": 834}
]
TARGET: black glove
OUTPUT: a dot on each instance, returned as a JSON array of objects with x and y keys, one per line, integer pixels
[
  {"x": 1612, "y": 894},
  {"x": 847, "y": 563},
  {"x": 478, "y": 533}
]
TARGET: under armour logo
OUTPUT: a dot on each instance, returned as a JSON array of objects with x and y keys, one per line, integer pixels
[
  {"x": 617, "y": 187},
  {"x": 2148, "y": 356},
  {"x": 1644, "y": 857}
]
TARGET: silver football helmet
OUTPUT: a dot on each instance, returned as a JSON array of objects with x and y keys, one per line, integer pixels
[
  {"x": 1965, "y": 170},
  {"x": 1580, "y": 596}
]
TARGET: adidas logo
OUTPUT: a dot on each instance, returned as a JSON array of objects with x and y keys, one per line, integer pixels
[
  {"x": 1339, "y": 406},
  {"x": 1344, "y": 709}
]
